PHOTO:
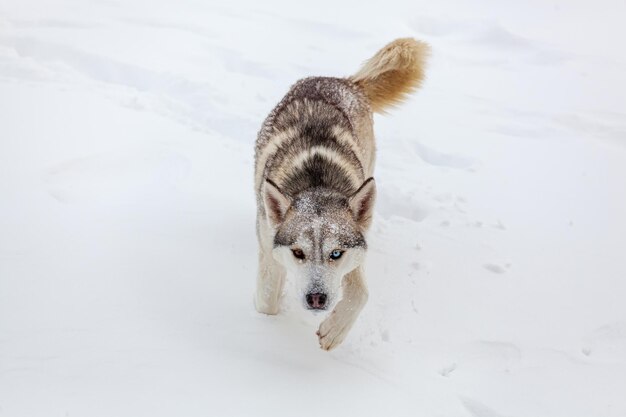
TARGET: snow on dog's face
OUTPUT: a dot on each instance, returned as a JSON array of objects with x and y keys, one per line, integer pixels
[{"x": 319, "y": 238}]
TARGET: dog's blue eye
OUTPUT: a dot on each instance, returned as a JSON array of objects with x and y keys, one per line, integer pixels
[{"x": 336, "y": 254}]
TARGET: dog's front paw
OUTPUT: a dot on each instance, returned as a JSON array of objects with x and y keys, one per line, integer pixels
[
  {"x": 332, "y": 332},
  {"x": 263, "y": 306}
]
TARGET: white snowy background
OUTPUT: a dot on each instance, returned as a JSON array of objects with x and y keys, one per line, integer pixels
[{"x": 497, "y": 268}]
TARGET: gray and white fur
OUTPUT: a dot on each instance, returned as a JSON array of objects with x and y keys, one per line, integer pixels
[{"x": 314, "y": 165}]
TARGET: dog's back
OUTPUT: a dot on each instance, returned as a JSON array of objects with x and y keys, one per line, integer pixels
[
  {"x": 318, "y": 135},
  {"x": 321, "y": 135}
]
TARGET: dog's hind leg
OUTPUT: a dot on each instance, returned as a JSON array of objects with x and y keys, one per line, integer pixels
[
  {"x": 335, "y": 328},
  {"x": 270, "y": 283}
]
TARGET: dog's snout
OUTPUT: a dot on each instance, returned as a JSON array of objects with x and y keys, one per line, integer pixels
[{"x": 316, "y": 301}]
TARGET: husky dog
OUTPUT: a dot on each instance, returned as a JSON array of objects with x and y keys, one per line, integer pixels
[{"x": 314, "y": 161}]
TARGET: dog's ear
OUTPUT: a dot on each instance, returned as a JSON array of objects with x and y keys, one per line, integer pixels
[
  {"x": 362, "y": 203},
  {"x": 276, "y": 203}
]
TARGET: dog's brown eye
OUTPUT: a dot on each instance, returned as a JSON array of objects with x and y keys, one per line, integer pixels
[{"x": 298, "y": 253}]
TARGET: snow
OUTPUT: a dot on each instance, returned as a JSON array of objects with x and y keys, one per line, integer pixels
[{"x": 127, "y": 246}]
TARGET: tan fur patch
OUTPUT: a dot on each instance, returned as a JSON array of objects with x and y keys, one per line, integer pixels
[
  {"x": 394, "y": 72},
  {"x": 269, "y": 150}
]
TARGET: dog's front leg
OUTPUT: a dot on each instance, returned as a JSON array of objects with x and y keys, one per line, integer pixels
[
  {"x": 335, "y": 328},
  {"x": 269, "y": 285}
]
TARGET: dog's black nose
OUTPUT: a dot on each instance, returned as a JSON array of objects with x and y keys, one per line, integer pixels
[{"x": 316, "y": 301}]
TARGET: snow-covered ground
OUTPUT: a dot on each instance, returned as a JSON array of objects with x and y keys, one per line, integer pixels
[{"x": 497, "y": 266}]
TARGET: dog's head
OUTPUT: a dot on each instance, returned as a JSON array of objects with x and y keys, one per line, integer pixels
[{"x": 319, "y": 237}]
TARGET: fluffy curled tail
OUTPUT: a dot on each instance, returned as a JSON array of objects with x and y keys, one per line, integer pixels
[{"x": 394, "y": 72}]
